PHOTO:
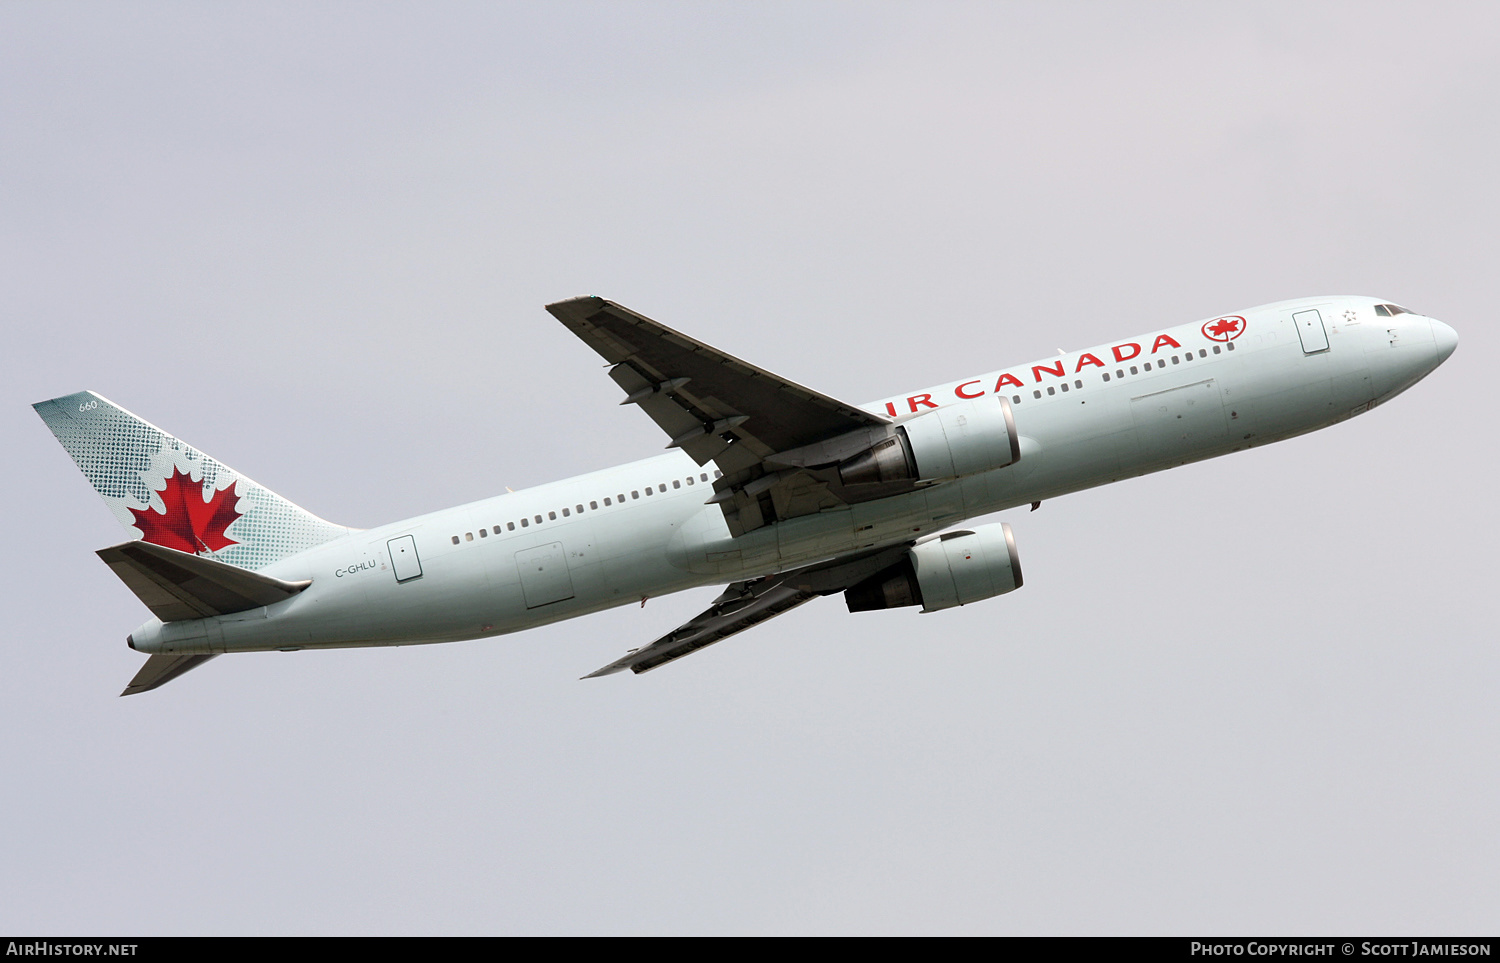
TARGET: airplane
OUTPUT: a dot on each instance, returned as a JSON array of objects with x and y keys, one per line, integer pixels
[{"x": 781, "y": 492}]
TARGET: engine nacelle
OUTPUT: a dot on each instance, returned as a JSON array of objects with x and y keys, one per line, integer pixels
[
  {"x": 955, "y": 568},
  {"x": 950, "y": 442}
]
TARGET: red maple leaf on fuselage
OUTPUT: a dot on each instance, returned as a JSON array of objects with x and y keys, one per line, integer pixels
[
  {"x": 1224, "y": 326},
  {"x": 190, "y": 523}
]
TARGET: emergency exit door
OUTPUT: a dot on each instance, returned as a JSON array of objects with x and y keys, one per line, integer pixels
[{"x": 544, "y": 574}]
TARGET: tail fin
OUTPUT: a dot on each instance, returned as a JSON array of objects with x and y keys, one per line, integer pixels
[{"x": 171, "y": 494}]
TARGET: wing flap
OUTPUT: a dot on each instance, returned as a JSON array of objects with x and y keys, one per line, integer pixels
[{"x": 176, "y": 586}]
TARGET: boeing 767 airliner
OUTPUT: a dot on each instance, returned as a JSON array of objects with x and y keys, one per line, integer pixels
[{"x": 784, "y": 493}]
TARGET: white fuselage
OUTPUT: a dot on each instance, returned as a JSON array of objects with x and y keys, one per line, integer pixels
[{"x": 1085, "y": 419}]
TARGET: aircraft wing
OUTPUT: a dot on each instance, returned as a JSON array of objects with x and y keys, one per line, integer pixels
[
  {"x": 718, "y": 408},
  {"x": 749, "y": 603}
]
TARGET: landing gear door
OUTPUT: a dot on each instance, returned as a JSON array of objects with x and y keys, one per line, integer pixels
[
  {"x": 1310, "y": 330},
  {"x": 404, "y": 560}
]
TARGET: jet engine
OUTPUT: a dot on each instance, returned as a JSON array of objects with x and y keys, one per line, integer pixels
[
  {"x": 955, "y": 568},
  {"x": 951, "y": 442}
]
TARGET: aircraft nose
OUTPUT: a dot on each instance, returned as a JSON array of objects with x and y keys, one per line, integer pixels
[{"x": 1445, "y": 338}]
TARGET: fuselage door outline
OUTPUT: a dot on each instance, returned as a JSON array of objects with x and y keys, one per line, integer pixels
[
  {"x": 404, "y": 561},
  {"x": 1309, "y": 325}
]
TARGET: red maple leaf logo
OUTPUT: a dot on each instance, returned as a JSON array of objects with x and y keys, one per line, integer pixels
[
  {"x": 190, "y": 523},
  {"x": 1224, "y": 329}
]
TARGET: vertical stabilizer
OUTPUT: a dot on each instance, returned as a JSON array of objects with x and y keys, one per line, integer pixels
[{"x": 170, "y": 494}]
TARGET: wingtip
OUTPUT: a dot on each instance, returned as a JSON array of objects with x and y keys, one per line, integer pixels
[
  {"x": 566, "y": 302},
  {"x": 610, "y": 669}
]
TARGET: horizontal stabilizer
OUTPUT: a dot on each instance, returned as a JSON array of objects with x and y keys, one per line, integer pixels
[
  {"x": 161, "y": 669},
  {"x": 175, "y": 585}
]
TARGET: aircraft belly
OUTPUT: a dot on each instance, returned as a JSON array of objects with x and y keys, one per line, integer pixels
[{"x": 815, "y": 536}]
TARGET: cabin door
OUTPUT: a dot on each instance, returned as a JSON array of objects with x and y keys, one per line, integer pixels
[
  {"x": 1310, "y": 330},
  {"x": 404, "y": 560}
]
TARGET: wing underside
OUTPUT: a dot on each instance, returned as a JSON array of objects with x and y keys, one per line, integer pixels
[{"x": 746, "y": 604}]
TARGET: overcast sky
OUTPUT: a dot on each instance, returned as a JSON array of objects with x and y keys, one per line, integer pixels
[{"x": 1254, "y": 695}]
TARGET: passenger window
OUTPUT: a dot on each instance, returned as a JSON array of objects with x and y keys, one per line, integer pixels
[
  {"x": 1119, "y": 374},
  {"x": 1230, "y": 346},
  {"x": 524, "y": 523},
  {"x": 1147, "y": 366},
  {"x": 468, "y": 536},
  {"x": 1174, "y": 359},
  {"x": 455, "y": 540},
  {"x": 1202, "y": 353},
  {"x": 1078, "y": 384},
  {"x": 661, "y": 487},
  {"x": 511, "y": 526},
  {"x": 1106, "y": 376},
  {"x": 497, "y": 529},
  {"x": 1133, "y": 371},
  {"x": 565, "y": 513},
  {"x": 635, "y": 494},
  {"x": 676, "y": 483},
  {"x": 483, "y": 533},
  {"x": 538, "y": 519},
  {"x": 1037, "y": 393},
  {"x": 718, "y": 474},
  {"x": 690, "y": 479},
  {"x": 1216, "y": 349},
  {"x": 552, "y": 516},
  {"x": 1015, "y": 399},
  {"x": 1065, "y": 387},
  {"x": 703, "y": 477},
  {"x": 607, "y": 501},
  {"x": 593, "y": 506},
  {"x": 1051, "y": 390},
  {"x": 620, "y": 497}
]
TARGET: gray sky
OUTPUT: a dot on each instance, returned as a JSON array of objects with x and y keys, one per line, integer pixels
[{"x": 1251, "y": 695}]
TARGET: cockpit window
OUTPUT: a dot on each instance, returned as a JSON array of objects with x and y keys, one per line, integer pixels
[{"x": 1390, "y": 310}]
